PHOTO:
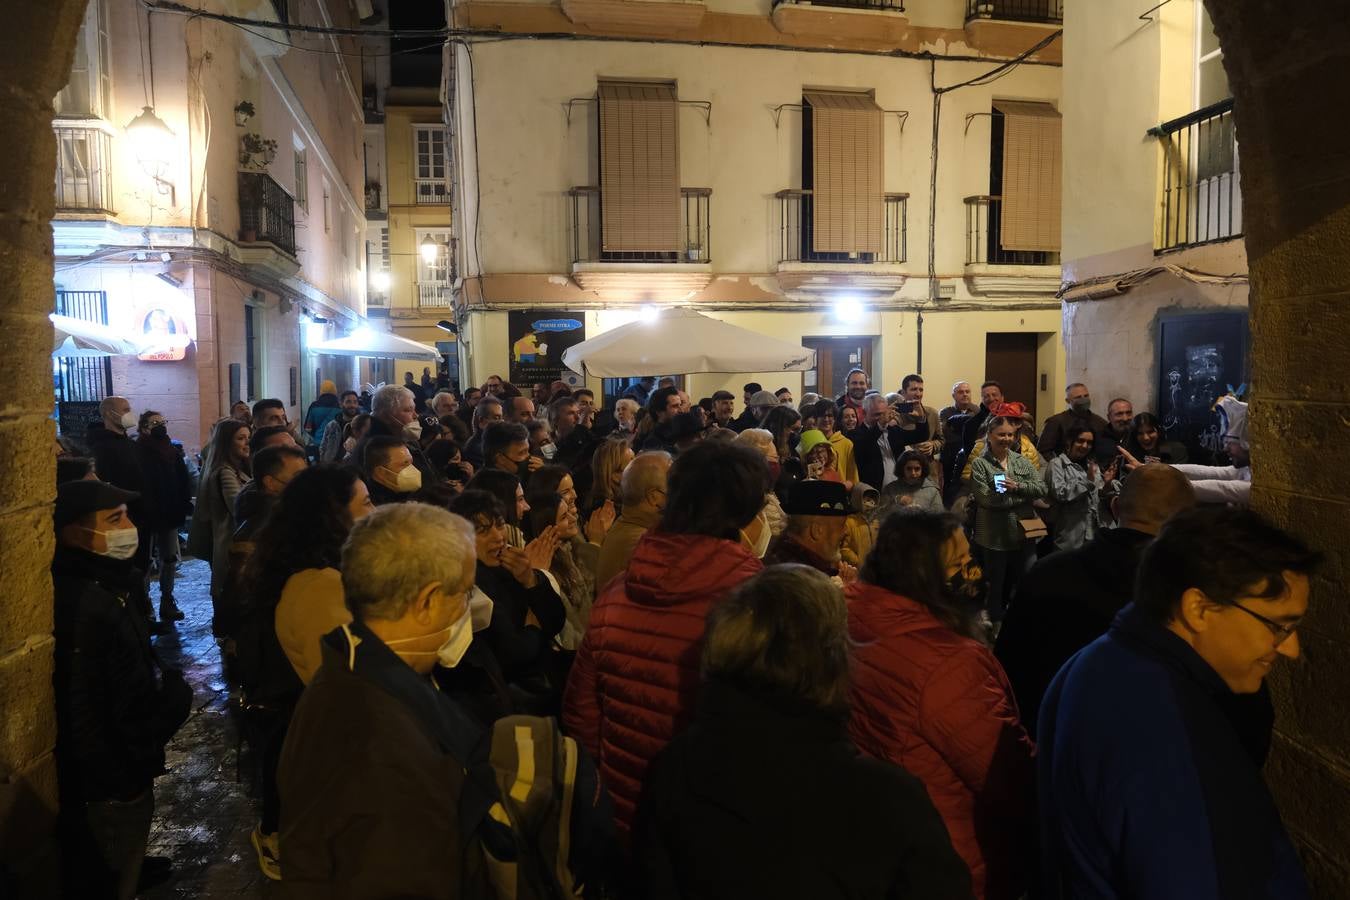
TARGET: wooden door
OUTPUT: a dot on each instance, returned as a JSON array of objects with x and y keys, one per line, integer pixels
[
  {"x": 835, "y": 356},
  {"x": 1010, "y": 359}
]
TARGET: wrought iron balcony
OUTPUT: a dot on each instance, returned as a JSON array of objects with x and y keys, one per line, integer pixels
[
  {"x": 1201, "y": 200},
  {"x": 983, "y": 245},
  {"x": 1049, "y": 11},
  {"x": 796, "y": 224},
  {"x": 691, "y": 243},
  {"x": 83, "y": 169},
  {"x": 431, "y": 191},
  {"x": 266, "y": 212}
]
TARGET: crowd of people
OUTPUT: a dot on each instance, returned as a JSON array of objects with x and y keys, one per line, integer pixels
[{"x": 855, "y": 646}]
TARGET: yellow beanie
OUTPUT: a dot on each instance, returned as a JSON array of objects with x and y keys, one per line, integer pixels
[{"x": 327, "y": 387}]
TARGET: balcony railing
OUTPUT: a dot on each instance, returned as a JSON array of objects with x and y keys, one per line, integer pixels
[
  {"x": 83, "y": 169},
  {"x": 983, "y": 247},
  {"x": 266, "y": 211},
  {"x": 431, "y": 191},
  {"x": 1202, "y": 192},
  {"x": 433, "y": 294},
  {"x": 1051, "y": 11},
  {"x": 691, "y": 244},
  {"x": 887, "y": 5},
  {"x": 796, "y": 218}
]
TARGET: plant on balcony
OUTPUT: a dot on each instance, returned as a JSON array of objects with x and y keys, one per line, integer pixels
[
  {"x": 243, "y": 111},
  {"x": 373, "y": 195},
  {"x": 256, "y": 152}
]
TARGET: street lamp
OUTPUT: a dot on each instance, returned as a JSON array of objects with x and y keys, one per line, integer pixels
[
  {"x": 431, "y": 250},
  {"x": 152, "y": 142}
]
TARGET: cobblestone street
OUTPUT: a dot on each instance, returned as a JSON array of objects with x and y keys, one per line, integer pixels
[{"x": 203, "y": 808}]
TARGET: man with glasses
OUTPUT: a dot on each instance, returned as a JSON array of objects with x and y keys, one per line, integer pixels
[{"x": 1150, "y": 766}]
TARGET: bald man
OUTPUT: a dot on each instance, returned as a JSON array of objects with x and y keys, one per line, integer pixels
[
  {"x": 643, "y": 490},
  {"x": 1069, "y": 598}
]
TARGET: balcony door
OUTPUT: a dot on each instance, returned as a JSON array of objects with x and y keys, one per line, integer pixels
[{"x": 434, "y": 269}]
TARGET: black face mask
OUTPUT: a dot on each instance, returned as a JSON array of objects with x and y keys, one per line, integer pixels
[
  {"x": 160, "y": 433},
  {"x": 973, "y": 592}
]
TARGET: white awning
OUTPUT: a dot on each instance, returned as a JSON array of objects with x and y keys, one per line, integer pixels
[
  {"x": 76, "y": 337},
  {"x": 377, "y": 344},
  {"x": 681, "y": 342}
]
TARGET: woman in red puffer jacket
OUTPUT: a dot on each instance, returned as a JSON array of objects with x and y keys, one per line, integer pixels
[
  {"x": 636, "y": 675},
  {"x": 928, "y": 695}
]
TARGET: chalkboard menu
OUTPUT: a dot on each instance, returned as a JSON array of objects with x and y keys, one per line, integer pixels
[{"x": 73, "y": 418}]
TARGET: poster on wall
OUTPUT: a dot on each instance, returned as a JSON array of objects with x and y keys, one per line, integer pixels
[
  {"x": 164, "y": 331},
  {"x": 538, "y": 339},
  {"x": 1200, "y": 358}
]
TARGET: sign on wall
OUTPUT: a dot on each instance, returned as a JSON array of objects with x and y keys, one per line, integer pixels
[
  {"x": 538, "y": 339},
  {"x": 165, "y": 331},
  {"x": 1199, "y": 358}
]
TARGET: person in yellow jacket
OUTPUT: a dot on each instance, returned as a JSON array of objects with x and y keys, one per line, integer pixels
[
  {"x": 861, "y": 525},
  {"x": 826, "y": 417}
]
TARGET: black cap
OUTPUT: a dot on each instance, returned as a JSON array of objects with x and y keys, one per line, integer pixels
[
  {"x": 77, "y": 499},
  {"x": 684, "y": 425},
  {"x": 818, "y": 498}
]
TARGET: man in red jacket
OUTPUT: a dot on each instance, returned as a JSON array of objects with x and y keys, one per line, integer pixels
[{"x": 636, "y": 676}]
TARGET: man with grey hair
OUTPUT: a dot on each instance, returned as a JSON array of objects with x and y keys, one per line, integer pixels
[
  {"x": 643, "y": 489},
  {"x": 393, "y": 413},
  {"x": 877, "y": 442},
  {"x": 374, "y": 762}
]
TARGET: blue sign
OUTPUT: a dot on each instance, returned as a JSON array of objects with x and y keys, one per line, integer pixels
[{"x": 556, "y": 325}]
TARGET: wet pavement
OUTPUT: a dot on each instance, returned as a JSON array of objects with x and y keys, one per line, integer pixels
[{"x": 204, "y": 806}]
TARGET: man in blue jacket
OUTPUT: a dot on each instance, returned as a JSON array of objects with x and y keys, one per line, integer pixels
[{"x": 1150, "y": 781}]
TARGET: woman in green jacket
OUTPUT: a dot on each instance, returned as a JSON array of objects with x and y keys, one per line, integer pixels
[{"x": 1003, "y": 484}]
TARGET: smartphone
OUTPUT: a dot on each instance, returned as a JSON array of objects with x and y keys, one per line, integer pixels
[{"x": 999, "y": 486}]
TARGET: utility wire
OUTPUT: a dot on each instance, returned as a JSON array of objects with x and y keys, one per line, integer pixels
[{"x": 171, "y": 7}]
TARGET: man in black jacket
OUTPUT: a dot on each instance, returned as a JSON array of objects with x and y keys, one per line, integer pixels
[
  {"x": 167, "y": 504},
  {"x": 115, "y": 708},
  {"x": 873, "y": 462},
  {"x": 574, "y": 441},
  {"x": 1069, "y": 599},
  {"x": 118, "y": 463}
]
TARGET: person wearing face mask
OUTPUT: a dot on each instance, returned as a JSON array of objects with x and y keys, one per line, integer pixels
[
  {"x": 506, "y": 446},
  {"x": 393, "y": 413},
  {"x": 374, "y": 764},
  {"x": 117, "y": 461},
  {"x": 634, "y": 682},
  {"x": 929, "y": 696},
  {"x": 1062, "y": 428},
  {"x": 761, "y": 441},
  {"x": 167, "y": 503},
  {"x": 115, "y": 707},
  {"x": 643, "y": 490},
  {"x": 527, "y": 613},
  {"x": 389, "y": 471},
  {"x": 294, "y": 598}
]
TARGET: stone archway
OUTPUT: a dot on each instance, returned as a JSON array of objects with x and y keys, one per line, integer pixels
[
  {"x": 1288, "y": 64},
  {"x": 36, "y": 47}
]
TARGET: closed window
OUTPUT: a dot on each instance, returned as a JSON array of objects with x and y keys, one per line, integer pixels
[
  {"x": 1027, "y": 175},
  {"x": 843, "y": 168},
  {"x": 88, "y": 92},
  {"x": 429, "y": 164},
  {"x": 639, "y": 167},
  {"x": 302, "y": 178}
]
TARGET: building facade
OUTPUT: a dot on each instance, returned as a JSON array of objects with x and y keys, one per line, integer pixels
[
  {"x": 789, "y": 167},
  {"x": 1155, "y": 301},
  {"x": 229, "y": 239}
]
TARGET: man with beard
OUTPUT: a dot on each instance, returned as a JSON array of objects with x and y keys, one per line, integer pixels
[
  {"x": 1061, "y": 428},
  {"x": 856, "y": 389},
  {"x": 330, "y": 447}
]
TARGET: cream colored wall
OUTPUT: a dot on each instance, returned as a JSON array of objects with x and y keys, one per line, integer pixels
[
  {"x": 405, "y": 216},
  {"x": 535, "y": 157}
]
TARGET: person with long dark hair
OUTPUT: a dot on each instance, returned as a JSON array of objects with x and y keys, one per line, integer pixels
[
  {"x": 574, "y": 580},
  {"x": 511, "y": 495},
  {"x": 785, "y": 425},
  {"x": 225, "y": 471},
  {"x": 1148, "y": 443},
  {"x": 929, "y": 696},
  {"x": 295, "y": 597}
]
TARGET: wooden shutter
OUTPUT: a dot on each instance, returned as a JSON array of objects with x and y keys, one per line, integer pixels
[
  {"x": 639, "y": 167},
  {"x": 1030, "y": 214},
  {"x": 848, "y": 211}
]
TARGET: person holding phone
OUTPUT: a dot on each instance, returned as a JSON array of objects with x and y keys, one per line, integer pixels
[
  {"x": 919, "y": 425},
  {"x": 1003, "y": 485}
]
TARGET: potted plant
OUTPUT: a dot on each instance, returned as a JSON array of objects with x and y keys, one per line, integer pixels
[
  {"x": 372, "y": 195},
  {"x": 256, "y": 152},
  {"x": 243, "y": 111}
]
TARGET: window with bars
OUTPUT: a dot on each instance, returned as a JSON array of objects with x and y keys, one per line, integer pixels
[
  {"x": 79, "y": 379},
  {"x": 88, "y": 91},
  {"x": 430, "y": 182}
]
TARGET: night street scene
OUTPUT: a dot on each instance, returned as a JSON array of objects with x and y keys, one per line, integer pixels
[{"x": 675, "y": 450}]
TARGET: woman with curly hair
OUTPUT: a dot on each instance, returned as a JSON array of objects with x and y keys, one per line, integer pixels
[{"x": 294, "y": 586}]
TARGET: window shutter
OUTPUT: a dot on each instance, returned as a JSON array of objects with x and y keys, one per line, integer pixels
[
  {"x": 639, "y": 168},
  {"x": 848, "y": 211},
  {"x": 1030, "y": 215}
]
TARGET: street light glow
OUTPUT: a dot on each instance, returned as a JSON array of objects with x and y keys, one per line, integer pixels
[
  {"x": 430, "y": 250},
  {"x": 380, "y": 281},
  {"x": 848, "y": 309}
]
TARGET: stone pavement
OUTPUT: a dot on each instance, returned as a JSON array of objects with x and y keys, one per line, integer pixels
[{"x": 204, "y": 810}]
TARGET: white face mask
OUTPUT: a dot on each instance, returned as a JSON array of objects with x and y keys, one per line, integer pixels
[
  {"x": 480, "y": 609},
  {"x": 758, "y": 546},
  {"x": 458, "y": 638},
  {"x": 407, "y": 480},
  {"x": 128, "y": 420},
  {"x": 548, "y": 451},
  {"x": 121, "y": 543},
  {"x": 413, "y": 430}
]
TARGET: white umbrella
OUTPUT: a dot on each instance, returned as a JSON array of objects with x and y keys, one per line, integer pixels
[
  {"x": 380, "y": 344},
  {"x": 681, "y": 341},
  {"x": 76, "y": 337}
]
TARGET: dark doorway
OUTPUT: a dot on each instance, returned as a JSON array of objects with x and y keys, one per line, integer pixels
[
  {"x": 1010, "y": 359},
  {"x": 834, "y": 358}
]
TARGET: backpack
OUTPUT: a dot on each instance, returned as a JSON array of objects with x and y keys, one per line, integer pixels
[{"x": 548, "y": 827}]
